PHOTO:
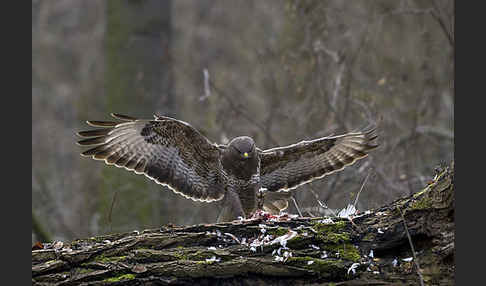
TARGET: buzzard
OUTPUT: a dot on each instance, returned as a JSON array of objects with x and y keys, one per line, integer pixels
[{"x": 173, "y": 153}]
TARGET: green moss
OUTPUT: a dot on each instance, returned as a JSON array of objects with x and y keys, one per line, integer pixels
[
  {"x": 82, "y": 270},
  {"x": 108, "y": 259},
  {"x": 423, "y": 203},
  {"x": 369, "y": 237},
  {"x": 331, "y": 227},
  {"x": 120, "y": 278},
  {"x": 327, "y": 267},
  {"x": 334, "y": 238},
  {"x": 332, "y": 233},
  {"x": 278, "y": 231},
  {"x": 298, "y": 242},
  {"x": 192, "y": 255},
  {"x": 346, "y": 251},
  {"x": 418, "y": 194}
]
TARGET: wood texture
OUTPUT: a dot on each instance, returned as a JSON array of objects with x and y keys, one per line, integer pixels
[{"x": 222, "y": 254}]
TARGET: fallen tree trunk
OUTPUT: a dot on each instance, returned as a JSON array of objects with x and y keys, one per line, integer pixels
[{"x": 372, "y": 248}]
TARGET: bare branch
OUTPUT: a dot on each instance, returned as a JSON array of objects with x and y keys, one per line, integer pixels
[
  {"x": 240, "y": 111},
  {"x": 296, "y": 206},
  {"x": 411, "y": 246},
  {"x": 207, "y": 90},
  {"x": 362, "y": 185}
]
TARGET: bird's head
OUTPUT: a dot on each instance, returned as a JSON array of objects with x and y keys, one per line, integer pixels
[
  {"x": 242, "y": 147},
  {"x": 240, "y": 157}
]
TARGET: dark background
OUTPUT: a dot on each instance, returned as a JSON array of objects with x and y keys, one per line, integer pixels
[{"x": 279, "y": 71}]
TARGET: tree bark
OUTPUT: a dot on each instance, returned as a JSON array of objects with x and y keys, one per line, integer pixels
[{"x": 371, "y": 248}]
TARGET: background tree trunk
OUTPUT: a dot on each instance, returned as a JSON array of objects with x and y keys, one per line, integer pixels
[
  {"x": 371, "y": 248},
  {"x": 138, "y": 74}
]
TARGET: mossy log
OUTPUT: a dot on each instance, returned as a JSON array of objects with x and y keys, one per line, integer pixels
[{"x": 371, "y": 248}]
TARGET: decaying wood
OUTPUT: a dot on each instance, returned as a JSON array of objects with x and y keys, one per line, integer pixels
[{"x": 371, "y": 248}]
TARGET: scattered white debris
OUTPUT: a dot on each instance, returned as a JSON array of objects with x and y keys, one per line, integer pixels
[
  {"x": 395, "y": 262},
  {"x": 314, "y": 246},
  {"x": 282, "y": 257},
  {"x": 211, "y": 248},
  {"x": 213, "y": 259},
  {"x": 408, "y": 259},
  {"x": 367, "y": 212},
  {"x": 376, "y": 272},
  {"x": 254, "y": 244},
  {"x": 353, "y": 268},
  {"x": 327, "y": 221},
  {"x": 380, "y": 231},
  {"x": 347, "y": 212},
  {"x": 310, "y": 262},
  {"x": 284, "y": 238},
  {"x": 284, "y": 214},
  {"x": 232, "y": 236},
  {"x": 135, "y": 232},
  {"x": 324, "y": 254},
  {"x": 371, "y": 254},
  {"x": 287, "y": 254},
  {"x": 59, "y": 244}
]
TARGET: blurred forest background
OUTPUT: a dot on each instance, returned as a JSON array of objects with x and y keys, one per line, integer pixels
[{"x": 279, "y": 71}]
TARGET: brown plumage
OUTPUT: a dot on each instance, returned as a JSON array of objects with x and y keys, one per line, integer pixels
[{"x": 173, "y": 153}]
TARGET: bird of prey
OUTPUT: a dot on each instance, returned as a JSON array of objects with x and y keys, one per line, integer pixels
[{"x": 173, "y": 153}]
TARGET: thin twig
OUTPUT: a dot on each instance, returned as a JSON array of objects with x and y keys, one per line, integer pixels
[
  {"x": 438, "y": 16},
  {"x": 362, "y": 185},
  {"x": 323, "y": 205},
  {"x": 310, "y": 214},
  {"x": 435, "y": 13},
  {"x": 207, "y": 89},
  {"x": 237, "y": 108},
  {"x": 111, "y": 209},
  {"x": 411, "y": 246},
  {"x": 296, "y": 206}
]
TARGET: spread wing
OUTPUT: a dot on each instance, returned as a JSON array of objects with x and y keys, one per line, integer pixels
[
  {"x": 166, "y": 150},
  {"x": 286, "y": 168}
]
